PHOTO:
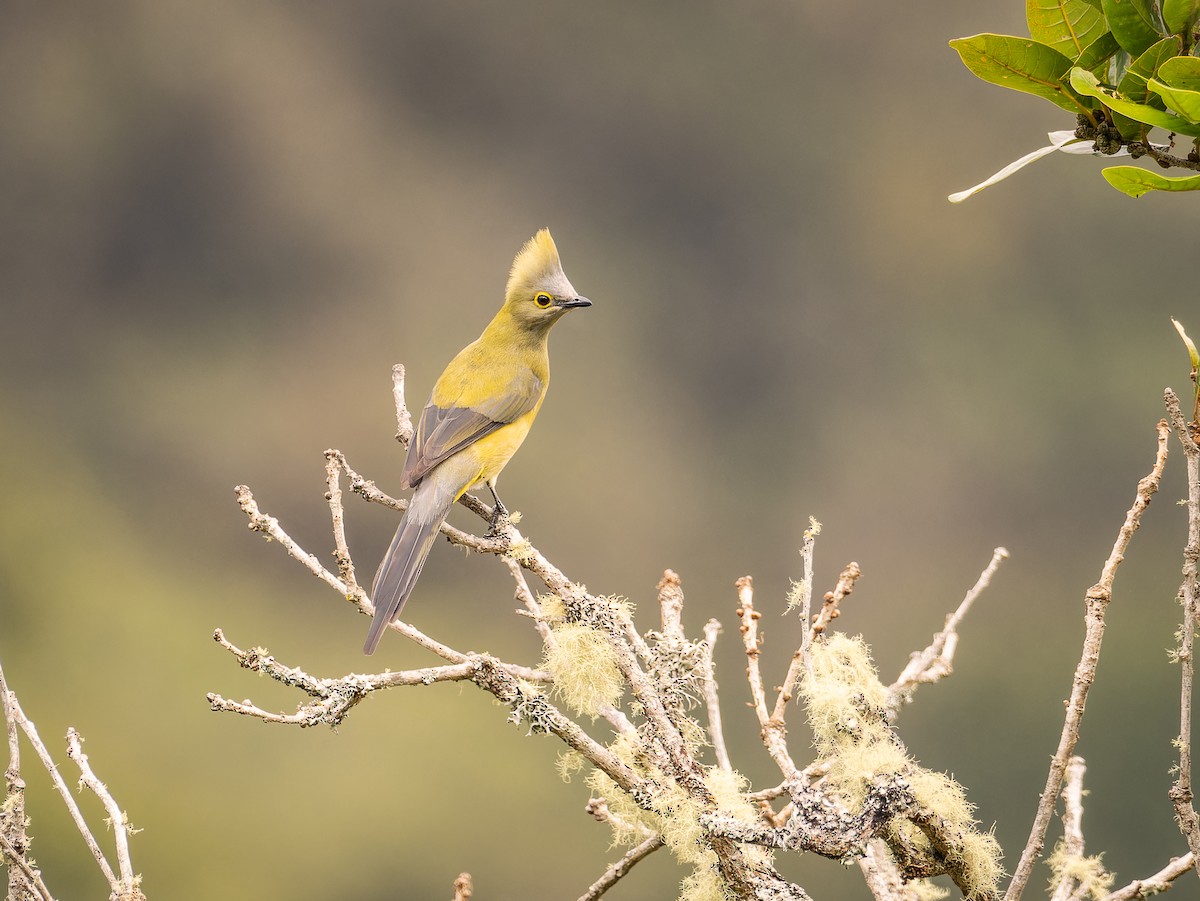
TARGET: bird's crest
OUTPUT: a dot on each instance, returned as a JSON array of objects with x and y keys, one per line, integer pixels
[{"x": 534, "y": 263}]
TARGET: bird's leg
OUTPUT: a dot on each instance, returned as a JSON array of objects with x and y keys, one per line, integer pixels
[{"x": 499, "y": 511}]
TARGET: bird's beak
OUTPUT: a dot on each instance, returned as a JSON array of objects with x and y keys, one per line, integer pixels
[{"x": 576, "y": 302}]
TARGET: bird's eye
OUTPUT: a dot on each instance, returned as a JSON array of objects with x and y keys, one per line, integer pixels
[{"x": 543, "y": 300}]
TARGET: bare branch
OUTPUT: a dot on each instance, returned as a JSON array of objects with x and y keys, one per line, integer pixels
[
  {"x": 31, "y": 884},
  {"x": 622, "y": 867},
  {"x": 1097, "y": 599},
  {"x": 1153, "y": 885},
  {"x": 772, "y": 729},
  {"x": 936, "y": 661},
  {"x": 829, "y": 609},
  {"x": 60, "y": 786},
  {"x": 1069, "y": 887},
  {"x": 333, "y": 494},
  {"x": 882, "y": 876},
  {"x": 404, "y": 426},
  {"x": 1181, "y": 793},
  {"x": 117, "y": 819},
  {"x": 712, "y": 700}
]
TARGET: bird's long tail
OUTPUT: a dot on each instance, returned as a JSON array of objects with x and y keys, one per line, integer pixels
[{"x": 402, "y": 563}]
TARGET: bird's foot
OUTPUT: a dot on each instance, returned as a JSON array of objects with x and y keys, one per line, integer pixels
[{"x": 499, "y": 522}]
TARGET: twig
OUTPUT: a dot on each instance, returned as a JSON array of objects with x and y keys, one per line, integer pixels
[
  {"x": 334, "y": 698},
  {"x": 333, "y": 494},
  {"x": 1096, "y": 599},
  {"x": 32, "y": 884},
  {"x": 936, "y": 661},
  {"x": 13, "y": 830},
  {"x": 619, "y": 869},
  {"x": 117, "y": 819},
  {"x": 60, "y": 786},
  {"x": 801, "y": 660},
  {"x": 463, "y": 887},
  {"x": 829, "y": 609},
  {"x": 670, "y": 603},
  {"x": 404, "y": 426},
  {"x": 881, "y": 874},
  {"x": 712, "y": 700},
  {"x": 771, "y": 728},
  {"x": 269, "y": 527},
  {"x": 1181, "y": 792},
  {"x": 1072, "y": 818},
  {"x": 807, "y": 551},
  {"x": 1152, "y": 885},
  {"x": 1162, "y": 157}
]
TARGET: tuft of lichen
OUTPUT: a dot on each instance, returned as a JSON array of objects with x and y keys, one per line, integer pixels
[
  {"x": 924, "y": 890},
  {"x": 703, "y": 884},
  {"x": 568, "y": 764},
  {"x": 584, "y": 665},
  {"x": 1087, "y": 872}
]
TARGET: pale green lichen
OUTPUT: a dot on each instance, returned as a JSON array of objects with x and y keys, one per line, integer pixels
[
  {"x": 924, "y": 890},
  {"x": 1087, "y": 872},
  {"x": 568, "y": 765},
  {"x": 584, "y": 665},
  {"x": 846, "y": 709},
  {"x": 521, "y": 551}
]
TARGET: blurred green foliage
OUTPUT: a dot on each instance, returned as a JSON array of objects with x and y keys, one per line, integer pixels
[{"x": 224, "y": 222}]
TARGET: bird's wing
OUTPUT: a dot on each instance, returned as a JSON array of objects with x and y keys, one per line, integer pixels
[{"x": 443, "y": 431}]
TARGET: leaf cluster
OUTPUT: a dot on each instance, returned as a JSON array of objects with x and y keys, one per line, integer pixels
[{"x": 1124, "y": 67}]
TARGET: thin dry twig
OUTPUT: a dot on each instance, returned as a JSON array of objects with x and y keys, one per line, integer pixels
[
  {"x": 1181, "y": 792},
  {"x": 334, "y": 698},
  {"x": 936, "y": 661},
  {"x": 829, "y": 609},
  {"x": 1068, "y": 887},
  {"x": 1097, "y": 599},
  {"x": 772, "y": 728},
  {"x": 404, "y": 426},
  {"x": 712, "y": 699},
  {"x": 800, "y": 658},
  {"x": 1153, "y": 885},
  {"x": 333, "y": 494},
  {"x": 118, "y": 820},
  {"x": 621, "y": 868}
]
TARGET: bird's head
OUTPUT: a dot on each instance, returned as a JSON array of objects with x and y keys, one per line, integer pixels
[{"x": 538, "y": 292}]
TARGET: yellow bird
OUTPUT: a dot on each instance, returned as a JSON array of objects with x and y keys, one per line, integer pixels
[{"x": 479, "y": 413}]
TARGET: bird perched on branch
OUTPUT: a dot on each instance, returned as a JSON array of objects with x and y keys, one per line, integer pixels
[{"x": 479, "y": 413}]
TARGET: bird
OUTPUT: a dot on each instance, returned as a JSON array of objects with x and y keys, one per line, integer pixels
[{"x": 478, "y": 414}]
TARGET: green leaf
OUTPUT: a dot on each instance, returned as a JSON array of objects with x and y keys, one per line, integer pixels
[
  {"x": 1184, "y": 102},
  {"x": 1180, "y": 15},
  {"x": 1098, "y": 52},
  {"x": 1178, "y": 83},
  {"x": 1133, "y": 84},
  {"x": 1135, "y": 182},
  {"x": 1086, "y": 83},
  {"x": 1021, "y": 64},
  {"x": 1132, "y": 23},
  {"x": 1147, "y": 66},
  {"x": 1181, "y": 72},
  {"x": 1193, "y": 354},
  {"x": 1066, "y": 25}
]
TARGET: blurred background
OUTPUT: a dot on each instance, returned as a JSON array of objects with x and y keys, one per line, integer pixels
[{"x": 222, "y": 223}]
